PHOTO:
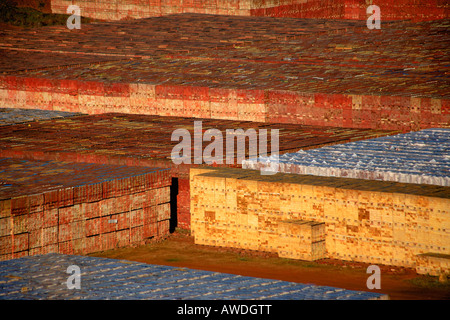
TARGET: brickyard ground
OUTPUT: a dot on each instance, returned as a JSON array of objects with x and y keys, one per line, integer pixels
[{"x": 179, "y": 250}]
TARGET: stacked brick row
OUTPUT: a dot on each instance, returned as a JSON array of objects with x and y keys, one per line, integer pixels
[
  {"x": 433, "y": 264},
  {"x": 143, "y": 140},
  {"x": 317, "y": 9},
  {"x": 79, "y": 208},
  {"x": 356, "y": 9},
  {"x": 417, "y": 157},
  {"x": 366, "y": 221},
  {"x": 137, "y": 9},
  {"x": 233, "y": 68},
  {"x": 272, "y": 106}
]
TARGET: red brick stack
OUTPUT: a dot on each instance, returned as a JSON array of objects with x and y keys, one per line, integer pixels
[
  {"x": 79, "y": 208},
  {"x": 315, "y": 9}
]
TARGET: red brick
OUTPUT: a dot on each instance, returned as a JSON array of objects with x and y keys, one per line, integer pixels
[
  {"x": 70, "y": 214},
  {"x": 50, "y": 218},
  {"x": 49, "y": 236},
  {"x": 163, "y": 228},
  {"x": 123, "y": 237},
  {"x": 117, "y": 89},
  {"x": 35, "y": 238},
  {"x": 93, "y": 226},
  {"x": 51, "y": 200},
  {"x": 123, "y": 220},
  {"x": 6, "y": 226},
  {"x": 91, "y": 88},
  {"x": 163, "y": 212},
  {"x": 19, "y": 205},
  {"x": 108, "y": 240},
  {"x": 6, "y": 244},
  {"x": 93, "y": 244},
  {"x": 150, "y": 230},
  {"x": 36, "y": 202},
  {"x": 150, "y": 215},
  {"x": 136, "y": 218},
  {"x": 5, "y": 208},
  {"x": 90, "y": 210}
]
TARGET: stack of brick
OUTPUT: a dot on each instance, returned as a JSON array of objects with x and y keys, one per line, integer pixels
[
  {"x": 136, "y": 9},
  {"x": 300, "y": 239},
  {"x": 367, "y": 221},
  {"x": 316, "y": 9},
  {"x": 143, "y": 140},
  {"x": 77, "y": 208},
  {"x": 232, "y": 68}
]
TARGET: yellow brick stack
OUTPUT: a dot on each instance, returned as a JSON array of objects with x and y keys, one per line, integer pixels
[{"x": 311, "y": 217}]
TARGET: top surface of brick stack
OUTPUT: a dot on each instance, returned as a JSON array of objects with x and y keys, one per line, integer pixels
[
  {"x": 416, "y": 157},
  {"x": 24, "y": 177},
  {"x": 305, "y": 71},
  {"x": 13, "y": 116},
  {"x": 105, "y": 137},
  {"x": 401, "y": 59}
]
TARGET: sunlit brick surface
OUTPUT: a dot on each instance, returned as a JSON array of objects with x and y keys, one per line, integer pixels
[
  {"x": 316, "y": 72},
  {"x": 367, "y": 221},
  {"x": 46, "y": 277},
  {"x": 79, "y": 208}
]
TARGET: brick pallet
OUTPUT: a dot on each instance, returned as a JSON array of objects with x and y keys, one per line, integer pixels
[
  {"x": 233, "y": 68},
  {"x": 309, "y": 218},
  {"x": 142, "y": 140},
  {"x": 76, "y": 208}
]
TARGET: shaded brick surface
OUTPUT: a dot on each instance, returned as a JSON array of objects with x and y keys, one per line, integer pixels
[
  {"x": 322, "y": 9},
  {"x": 45, "y": 277},
  {"x": 13, "y": 115},
  {"x": 239, "y": 68},
  {"x": 79, "y": 208}
]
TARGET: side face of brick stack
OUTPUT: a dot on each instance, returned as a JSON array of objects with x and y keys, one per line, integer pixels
[
  {"x": 228, "y": 67},
  {"x": 84, "y": 208},
  {"x": 305, "y": 217},
  {"x": 318, "y": 9}
]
